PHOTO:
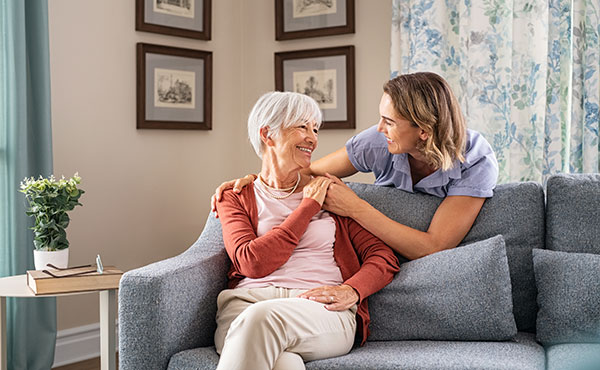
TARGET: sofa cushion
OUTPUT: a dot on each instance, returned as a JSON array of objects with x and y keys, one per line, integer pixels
[
  {"x": 523, "y": 353},
  {"x": 572, "y": 214},
  {"x": 568, "y": 296},
  {"x": 516, "y": 211},
  {"x": 458, "y": 294},
  {"x": 520, "y": 354},
  {"x": 204, "y": 358},
  {"x": 573, "y": 356}
]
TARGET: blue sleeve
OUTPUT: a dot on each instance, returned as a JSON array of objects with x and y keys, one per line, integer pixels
[
  {"x": 363, "y": 149},
  {"x": 479, "y": 171}
]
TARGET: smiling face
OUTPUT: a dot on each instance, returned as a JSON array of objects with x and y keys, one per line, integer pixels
[
  {"x": 292, "y": 148},
  {"x": 402, "y": 136}
]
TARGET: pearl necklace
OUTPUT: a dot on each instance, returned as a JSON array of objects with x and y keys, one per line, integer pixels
[{"x": 270, "y": 189}]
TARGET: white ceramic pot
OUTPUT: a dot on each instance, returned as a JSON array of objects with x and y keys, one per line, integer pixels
[{"x": 58, "y": 258}]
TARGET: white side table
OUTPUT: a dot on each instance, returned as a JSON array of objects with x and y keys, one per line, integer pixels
[{"x": 16, "y": 286}]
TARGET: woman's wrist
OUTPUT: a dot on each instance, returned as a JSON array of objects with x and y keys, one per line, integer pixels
[
  {"x": 358, "y": 209},
  {"x": 353, "y": 290}
]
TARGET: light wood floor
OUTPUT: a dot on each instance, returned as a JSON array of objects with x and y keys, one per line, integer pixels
[{"x": 91, "y": 364}]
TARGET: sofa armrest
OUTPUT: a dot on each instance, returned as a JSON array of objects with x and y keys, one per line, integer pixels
[{"x": 170, "y": 306}]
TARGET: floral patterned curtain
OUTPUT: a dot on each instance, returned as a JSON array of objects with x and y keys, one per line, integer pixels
[{"x": 526, "y": 73}]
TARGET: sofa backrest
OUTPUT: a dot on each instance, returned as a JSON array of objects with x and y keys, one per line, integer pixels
[
  {"x": 573, "y": 213},
  {"x": 516, "y": 211}
]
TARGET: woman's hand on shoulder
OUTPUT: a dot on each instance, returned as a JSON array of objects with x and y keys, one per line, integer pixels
[
  {"x": 340, "y": 200},
  {"x": 335, "y": 298},
  {"x": 237, "y": 186},
  {"x": 317, "y": 189}
]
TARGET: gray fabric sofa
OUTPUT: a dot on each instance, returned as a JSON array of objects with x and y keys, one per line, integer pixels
[{"x": 167, "y": 309}]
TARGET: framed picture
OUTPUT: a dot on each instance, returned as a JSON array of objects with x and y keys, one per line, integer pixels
[
  {"x": 327, "y": 75},
  {"x": 174, "y": 88},
  {"x": 185, "y": 18},
  {"x": 297, "y": 19}
]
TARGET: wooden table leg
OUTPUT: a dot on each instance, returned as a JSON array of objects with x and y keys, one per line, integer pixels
[
  {"x": 108, "y": 315},
  {"x": 3, "y": 343}
]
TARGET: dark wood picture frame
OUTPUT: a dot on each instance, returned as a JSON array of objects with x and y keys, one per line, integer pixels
[
  {"x": 281, "y": 34},
  {"x": 206, "y": 90},
  {"x": 174, "y": 30},
  {"x": 348, "y": 53}
]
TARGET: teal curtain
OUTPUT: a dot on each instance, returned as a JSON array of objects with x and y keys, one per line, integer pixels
[
  {"x": 526, "y": 73},
  {"x": 25, "y": 150}
]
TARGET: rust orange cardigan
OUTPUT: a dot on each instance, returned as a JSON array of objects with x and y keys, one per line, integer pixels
[{"x": 365, "y": 262}]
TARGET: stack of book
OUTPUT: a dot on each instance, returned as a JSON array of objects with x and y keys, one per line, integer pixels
[{"x": 81, "y": 279}]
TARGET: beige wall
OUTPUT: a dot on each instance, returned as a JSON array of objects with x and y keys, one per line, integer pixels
[
  {"x": 372, "y": 58},
  {"x": 147, "y": 191}
]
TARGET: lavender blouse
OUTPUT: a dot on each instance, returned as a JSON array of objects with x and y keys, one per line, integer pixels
[{"x": 475, "y": 177}]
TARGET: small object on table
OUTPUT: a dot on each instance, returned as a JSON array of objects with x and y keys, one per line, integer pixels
[
  {"x": 99, "y": 266},
  {"x": 76, "y": 279}
]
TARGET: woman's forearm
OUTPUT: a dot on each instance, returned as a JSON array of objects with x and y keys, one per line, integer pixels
[
  {"x": 450, "y": 224},
  {"x": 406, "y": 241}
]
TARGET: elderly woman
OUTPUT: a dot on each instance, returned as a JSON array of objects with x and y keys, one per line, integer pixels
[
  {"x": 300, "y": 276},
  {"x": 421, "y": 144}
]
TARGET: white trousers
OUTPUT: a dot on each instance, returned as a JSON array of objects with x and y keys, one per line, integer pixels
[{"x": 268, "y": 328}]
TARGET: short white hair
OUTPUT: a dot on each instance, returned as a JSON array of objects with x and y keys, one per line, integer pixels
[{"x": 278, "y": 110}]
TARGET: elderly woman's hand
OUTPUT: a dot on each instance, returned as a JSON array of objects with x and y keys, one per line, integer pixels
[
  {"x": 340, "y": 199},
  {"x": 317, "y": 189},
  {"x": 336, "y": 298}
]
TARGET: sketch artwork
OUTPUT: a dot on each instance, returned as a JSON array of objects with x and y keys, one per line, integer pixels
[
  {"x": 319, "y": 85},
  {"x": 174, "y": 88},
  {"x": 181, "y": 8},
  {"x": 311, "y": 8}
]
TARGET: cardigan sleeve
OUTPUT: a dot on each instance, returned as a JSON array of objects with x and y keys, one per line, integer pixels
[
  {"x": 255, "y": 256},
  {"x": 378, "y": 262}
]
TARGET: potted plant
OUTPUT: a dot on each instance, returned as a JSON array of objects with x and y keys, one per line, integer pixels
[{"x": 49, "y": 201}]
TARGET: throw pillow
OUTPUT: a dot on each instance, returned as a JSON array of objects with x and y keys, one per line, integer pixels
[
  {"x": 458, "y": 294},
  {"x": 568, "y": 296}
]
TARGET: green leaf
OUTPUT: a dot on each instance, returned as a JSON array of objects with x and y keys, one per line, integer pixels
[
  {"x": 63, "y": 220},
  {"x": 52, "y": 244},
  {"x": 49, "y": 199}
]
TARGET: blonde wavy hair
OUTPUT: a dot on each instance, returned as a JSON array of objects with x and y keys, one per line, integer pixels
[{"x": 427, "y": 101}]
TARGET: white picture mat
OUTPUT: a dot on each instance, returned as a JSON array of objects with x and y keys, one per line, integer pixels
[
  {"x": 303, "y": 8},
  {"x": 291, "y": 24},
  {"x": 337, "y": 62},
  {"x": 318, "y": 84},
  {"x": 166, "y": 8},
  {"x": 170, "y": 20},
  {"x": 162, "y": 61},
  {"x": 166, "y": 79}
]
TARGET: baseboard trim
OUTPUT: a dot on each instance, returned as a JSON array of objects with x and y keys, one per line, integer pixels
[{"x": 78, "y": 344}]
